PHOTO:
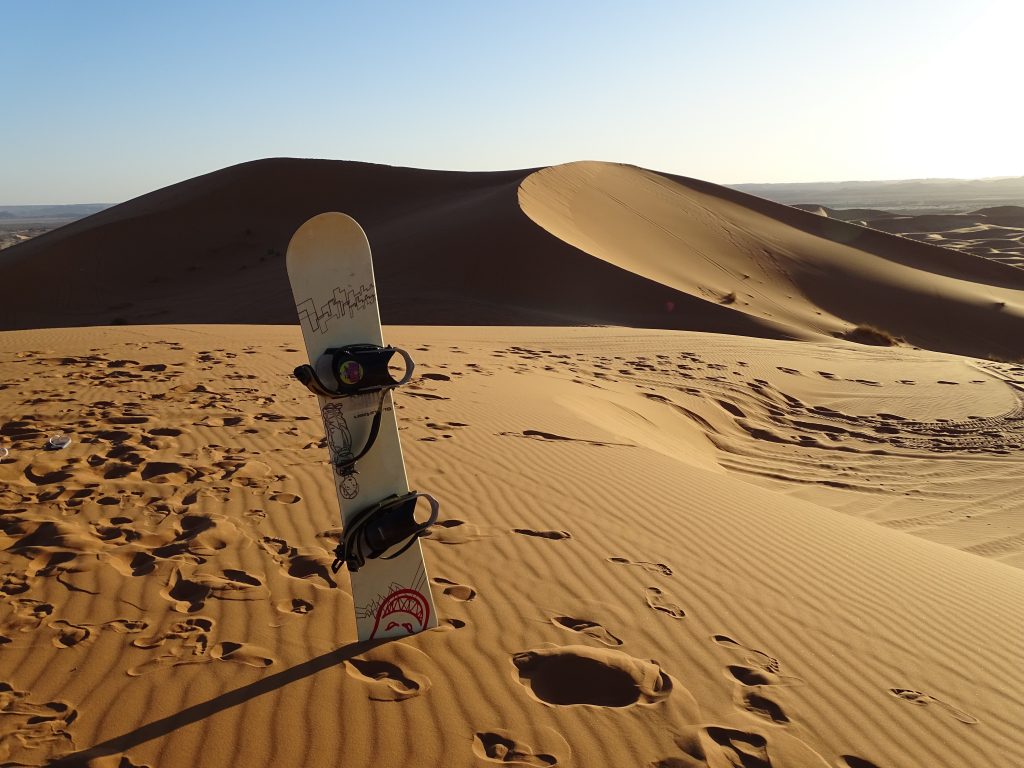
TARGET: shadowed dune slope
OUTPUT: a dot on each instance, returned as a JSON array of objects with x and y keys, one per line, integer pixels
[
  {"x": 449, "y": 248},
  {"x": 809, "y": 273}
]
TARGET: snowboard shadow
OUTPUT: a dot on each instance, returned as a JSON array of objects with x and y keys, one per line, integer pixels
[{"x": 197, "y": 712}]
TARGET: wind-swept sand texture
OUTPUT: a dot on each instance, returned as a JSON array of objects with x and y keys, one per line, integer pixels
[{"x": 657, "y": 548}]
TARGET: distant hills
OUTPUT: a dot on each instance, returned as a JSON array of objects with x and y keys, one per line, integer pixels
[
  {"x": 45, "y": 212},
  {"x": 909, "y": 195}
]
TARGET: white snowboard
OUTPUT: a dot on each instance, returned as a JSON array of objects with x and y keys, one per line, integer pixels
[{"x": 331, "y": 273}]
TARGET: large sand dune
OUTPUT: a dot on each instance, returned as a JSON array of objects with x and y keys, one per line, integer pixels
[
  {"x": 449, "y": 248},
  {"x": 782, "y": 265},
  {"x": 615, "y": 245}
]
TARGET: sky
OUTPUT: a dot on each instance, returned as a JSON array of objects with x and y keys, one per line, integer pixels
[{"x": 104, "y": 101}]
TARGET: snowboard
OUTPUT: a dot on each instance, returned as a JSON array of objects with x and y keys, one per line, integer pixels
[{"x": 331, "y": 274}]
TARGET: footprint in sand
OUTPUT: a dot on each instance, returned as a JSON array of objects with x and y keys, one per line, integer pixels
[
  {"x": 588, "y": 628},
  {"x": 752, "y": 656},
  {"x": 130, "y": 563},
  {"x": 759, "y": 704},
  {"x": 184, "y": 642},
  {"x": 387, "y": 673},
  {"x": 751, "y": 692},
  {"x": 14, "y": 583},
  {"x": 852, "y": 761},
  {"x": 555, "y": 535},
  {"x": 716, "y": 745},
  {"x": 657, "y": 600},
  {"x": 499, "y": 746},
  {"x": 758, "y": 676},
  {"x": 241, "y": 653},
  {"x": 458, "y": 592},
  {"x": 661, "y": 568},
  {"x": 454, "y": 531},
  {"x": 306, "y": 563},
  {"x": 740, "y": 748},
  {"x": 187, "y": 596},
  {"x": 296, "y": 606},
  {"x": 192, "y": 632},
  {"x": 578, "y": 674},
  {"x": 923, "y": 699},
  {"x": 68, "y": 634},
  {"x": 34, "y": 726},
  {"x": 447, "y": 625},
  {"x": 28, "y": 614},
  {"x": 126, "y": 626}
]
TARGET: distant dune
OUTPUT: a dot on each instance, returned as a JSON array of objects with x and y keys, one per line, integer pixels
[
  {"x": 995, "y": 233},
  {"x": 584, "y": 243}
]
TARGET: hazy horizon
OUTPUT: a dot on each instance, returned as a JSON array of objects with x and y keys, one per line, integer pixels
[{"x": 738, "y": 185}]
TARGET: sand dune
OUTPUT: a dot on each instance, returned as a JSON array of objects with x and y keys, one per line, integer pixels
[
  {"x": 657, "y": 548},
  {"x": 450, "y": 248},
  {"x": 788, "y": 267},
  {"x": 995, "y": 233},
  {"x": 466, "y": 248}
]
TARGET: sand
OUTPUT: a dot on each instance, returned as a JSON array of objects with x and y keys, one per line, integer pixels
[{"x": 657, "y": 547}]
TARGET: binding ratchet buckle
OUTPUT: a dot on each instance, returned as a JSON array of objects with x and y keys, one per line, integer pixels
[
  {"x": 355, "y": 369},
  {"x": 385, "y": 525}
]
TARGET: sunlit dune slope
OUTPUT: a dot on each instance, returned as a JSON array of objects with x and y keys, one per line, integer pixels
[
  {"x": 810, "y": 274},
  {"x": 449, "y": 248}
]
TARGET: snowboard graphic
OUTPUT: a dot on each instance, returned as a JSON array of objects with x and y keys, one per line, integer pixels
[{"x": 331, "y": 274}]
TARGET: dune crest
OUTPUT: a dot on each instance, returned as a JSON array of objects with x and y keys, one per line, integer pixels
[{"x": 808, "y": 275}]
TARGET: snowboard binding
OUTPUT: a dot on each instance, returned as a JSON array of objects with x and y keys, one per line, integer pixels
[
  {"x": 355, "y": 369},
  {"x": 385, "y": 525}
]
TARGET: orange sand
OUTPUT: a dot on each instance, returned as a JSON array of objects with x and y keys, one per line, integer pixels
[{"x": 657, "y": 547}]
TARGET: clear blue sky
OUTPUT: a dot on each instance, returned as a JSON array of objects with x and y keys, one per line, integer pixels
[{"x": 103, "y": 101}]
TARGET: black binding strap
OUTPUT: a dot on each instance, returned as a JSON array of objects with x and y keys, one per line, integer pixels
[
  {"x": 348, "y": 466},
  {"x": 355, "y": 369},
  {"x": 381, "y": 527}
]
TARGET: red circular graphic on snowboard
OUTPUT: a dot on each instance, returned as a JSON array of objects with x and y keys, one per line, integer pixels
[{"x": 405, "y": 608}]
